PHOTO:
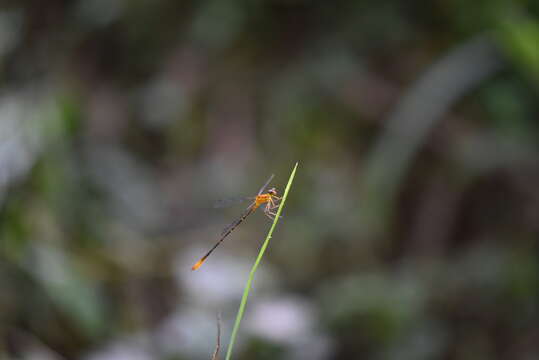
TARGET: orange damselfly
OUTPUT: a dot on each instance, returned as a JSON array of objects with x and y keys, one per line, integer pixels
[{"x": 269, "y": 198}]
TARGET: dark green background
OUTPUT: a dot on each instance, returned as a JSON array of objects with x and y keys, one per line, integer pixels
[{"x": 411, "y": 229}]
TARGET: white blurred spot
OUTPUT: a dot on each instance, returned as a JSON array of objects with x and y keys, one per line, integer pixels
[
  {"x": 315, "y": 347},
  {"x": 283, "y": 320},
  {"x": 125, "y": 350},
  {"x": 190, "y": 333},
  {"x": 291, "y": 321},
  {"x": 20, "y": 136},
  {"x": 221, "y": 279}
]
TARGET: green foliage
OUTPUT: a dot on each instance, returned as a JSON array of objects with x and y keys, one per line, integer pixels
[{"x": 121, "y": 122}]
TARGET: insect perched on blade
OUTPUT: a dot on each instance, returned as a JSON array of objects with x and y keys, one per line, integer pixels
[{"x": 271, "y": 201}]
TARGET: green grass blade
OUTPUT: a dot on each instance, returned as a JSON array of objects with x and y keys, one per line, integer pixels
[{"x": 247, "y": 289}]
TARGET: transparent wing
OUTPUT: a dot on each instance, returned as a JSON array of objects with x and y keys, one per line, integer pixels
[
  {"x": 231, "y": 201},
  {"x": 234, "y": 200},
  {"x": 265, "y": 185}
]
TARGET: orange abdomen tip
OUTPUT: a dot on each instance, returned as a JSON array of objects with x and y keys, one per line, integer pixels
[{"x": 197, "y": 265}]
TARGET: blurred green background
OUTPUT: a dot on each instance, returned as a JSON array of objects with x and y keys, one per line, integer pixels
[{"x": 412, "y": 227}]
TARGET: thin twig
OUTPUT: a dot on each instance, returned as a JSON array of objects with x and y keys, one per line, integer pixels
[{"x": 215, "y": 355}]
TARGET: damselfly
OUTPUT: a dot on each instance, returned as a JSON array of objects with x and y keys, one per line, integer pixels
[{"x": 269, "y": 198}]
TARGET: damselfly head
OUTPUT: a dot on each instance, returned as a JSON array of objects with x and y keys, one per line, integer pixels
[{"x": 272, "y": 192}]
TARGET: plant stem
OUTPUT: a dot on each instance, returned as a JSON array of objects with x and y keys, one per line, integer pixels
[{"x": 247, "y": 289}]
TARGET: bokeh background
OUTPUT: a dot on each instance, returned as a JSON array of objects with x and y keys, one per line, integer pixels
[{"x": 411, "y": 230}]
